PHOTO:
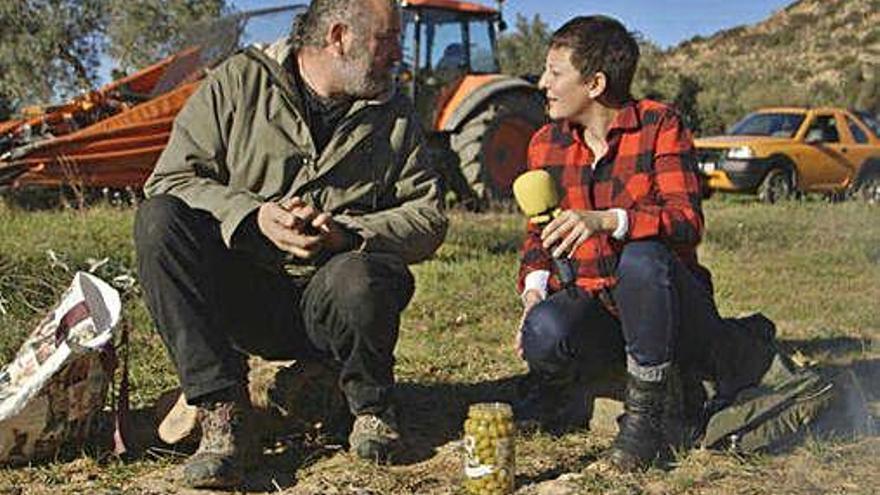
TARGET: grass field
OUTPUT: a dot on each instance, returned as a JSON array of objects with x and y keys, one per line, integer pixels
[{"x": 812, "y": 267}]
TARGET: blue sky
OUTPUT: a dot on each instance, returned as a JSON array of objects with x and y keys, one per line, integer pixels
[{"x": 665, "y": 22}]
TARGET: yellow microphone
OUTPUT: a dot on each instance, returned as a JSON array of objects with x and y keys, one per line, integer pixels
[{"x": 537, "y": 196}]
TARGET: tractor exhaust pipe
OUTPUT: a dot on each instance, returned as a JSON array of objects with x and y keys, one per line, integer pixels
[{"x": 502, "y": 25}]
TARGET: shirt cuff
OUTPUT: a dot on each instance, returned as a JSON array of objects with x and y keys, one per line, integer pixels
[
  {"x": 622, "y": 224},
  {"x": 537, "y": 280}
]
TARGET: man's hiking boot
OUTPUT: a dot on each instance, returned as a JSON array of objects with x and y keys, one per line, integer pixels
[
  {"x": 219, "y": 460},
  {"x": 641, "y": 439},
  {"x": 553, "y": 407},
  {"x": 375, "y": 437}
]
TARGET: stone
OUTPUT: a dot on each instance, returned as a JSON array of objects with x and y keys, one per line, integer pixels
[{"x": 287, "y": 397}]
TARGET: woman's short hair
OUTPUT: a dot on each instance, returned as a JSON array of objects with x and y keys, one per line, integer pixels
[{"x": 601, "y": 44}]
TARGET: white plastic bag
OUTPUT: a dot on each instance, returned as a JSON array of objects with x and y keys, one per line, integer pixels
[{"x": 53, "y": 389}]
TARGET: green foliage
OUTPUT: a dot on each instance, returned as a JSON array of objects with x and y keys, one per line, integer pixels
[
  {"x": 853, "y": 83},
  {"x": 48, "y": 48},
  {"x": 781, "y": 38},
  {"x": 142, "y": 32},
  {"x": 799, "y": 20},
  {"x": 824, "y": 93},
  {"x": 5, "y": 108},
  {"x": 522, "y": 52},
  {"x": 869, "y": 92},
  {"x": 686, "y": 101},
  {"x": 873, "y": 36},
  {"x": 650, "y": 81},
  {"x": 51, "y": 49},
  {"x": 682, "y": 91}
]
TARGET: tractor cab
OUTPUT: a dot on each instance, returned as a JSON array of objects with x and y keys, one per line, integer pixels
[
  {"x": 484, "y": 118},
  {"x": 444, "y": 41}
]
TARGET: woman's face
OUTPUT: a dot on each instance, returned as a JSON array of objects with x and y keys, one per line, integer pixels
[{"x": 568, "y": 94}]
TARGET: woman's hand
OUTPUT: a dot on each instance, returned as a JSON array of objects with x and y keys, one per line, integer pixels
[{"x": 573, "y": 227}]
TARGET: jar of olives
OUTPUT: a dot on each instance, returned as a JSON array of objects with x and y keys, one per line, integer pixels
[{"x": 489, "y": 463}]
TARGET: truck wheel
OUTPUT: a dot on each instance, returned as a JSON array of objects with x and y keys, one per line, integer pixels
[
  {"x": 776, "y": 186},
  {"x": 491, "y": 146}
]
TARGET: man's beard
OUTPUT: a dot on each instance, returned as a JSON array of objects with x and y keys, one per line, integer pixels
[{"x": 361, "y": 79}]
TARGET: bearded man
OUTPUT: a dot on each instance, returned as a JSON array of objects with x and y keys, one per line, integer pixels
[{"x": 280, "y": 220}]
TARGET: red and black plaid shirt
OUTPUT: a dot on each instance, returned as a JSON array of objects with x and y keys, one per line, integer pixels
[{"x": 649, "y": 172}]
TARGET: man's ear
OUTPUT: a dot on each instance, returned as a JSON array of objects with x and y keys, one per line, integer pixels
[
  {"x": 337, "y": 38},
  {"x": 596, "y": 85}
]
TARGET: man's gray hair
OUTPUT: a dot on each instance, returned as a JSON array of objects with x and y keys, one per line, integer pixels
[{"x": 310, "y": 28}]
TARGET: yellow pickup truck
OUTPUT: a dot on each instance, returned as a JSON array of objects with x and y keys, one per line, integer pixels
[{"x": 781, "y": 152}]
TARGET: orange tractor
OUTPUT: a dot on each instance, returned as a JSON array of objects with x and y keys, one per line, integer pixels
[{"x": 111, "y": 137}]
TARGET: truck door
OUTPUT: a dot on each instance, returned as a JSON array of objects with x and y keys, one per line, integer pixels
[
  {"x": 860, "y": 149},
  {"x": 824, "y": 165}
]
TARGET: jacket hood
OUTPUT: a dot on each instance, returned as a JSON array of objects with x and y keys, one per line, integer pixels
[{"x": 281, "y": 50}]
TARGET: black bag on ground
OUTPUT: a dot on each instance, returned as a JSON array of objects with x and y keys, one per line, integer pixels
[{"x": 789, "y": 402}]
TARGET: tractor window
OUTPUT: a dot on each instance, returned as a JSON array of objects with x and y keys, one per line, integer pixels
[
  {"x": 482, "y": 53},
  {"x": 452, "y": 58},
  {"x": 447, "y": 52},
  {"x": 408, "y": 42}
]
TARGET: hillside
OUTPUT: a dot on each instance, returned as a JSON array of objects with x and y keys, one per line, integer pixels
[{"x": 815, "y": 52}]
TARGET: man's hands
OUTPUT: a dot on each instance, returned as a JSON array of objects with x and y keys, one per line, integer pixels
[
  {"x": 530, "y": 298},
  {"x": 572, "y": 227},
  {"x": 301, "y": 230}
]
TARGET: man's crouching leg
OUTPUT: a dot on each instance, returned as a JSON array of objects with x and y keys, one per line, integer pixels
[
  {"x": 180, "y": 261},
  {"x": 351, "y": 309}
]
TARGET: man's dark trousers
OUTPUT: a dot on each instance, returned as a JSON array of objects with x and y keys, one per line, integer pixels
[{"x": 213, "y": 305}]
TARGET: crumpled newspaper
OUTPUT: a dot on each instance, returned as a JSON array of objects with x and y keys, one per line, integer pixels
[{"x": 59, "y": 377}]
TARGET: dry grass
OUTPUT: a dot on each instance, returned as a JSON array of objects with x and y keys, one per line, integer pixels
[{"x": 812, "y": 267}]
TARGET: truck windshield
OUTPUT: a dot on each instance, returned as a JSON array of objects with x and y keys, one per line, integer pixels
[{"x": 783, "y": 125}]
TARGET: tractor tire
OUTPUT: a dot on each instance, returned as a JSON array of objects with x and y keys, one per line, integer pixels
[
  {"x": 491, "y": 145},
  {"x": 778, "y": 185}
]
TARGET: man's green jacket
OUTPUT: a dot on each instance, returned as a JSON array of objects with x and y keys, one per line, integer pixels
[{"x": 241, "y": 140}]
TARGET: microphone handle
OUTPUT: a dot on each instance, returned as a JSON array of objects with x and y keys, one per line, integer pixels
[{"x": 565, "y": 270}]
